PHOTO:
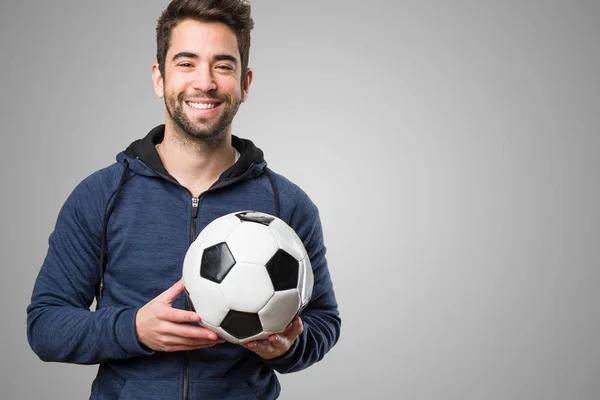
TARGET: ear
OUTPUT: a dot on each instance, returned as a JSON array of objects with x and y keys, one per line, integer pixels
[
  {"x": 246, "y": 85},
  {"x": 157, "y": 80}
]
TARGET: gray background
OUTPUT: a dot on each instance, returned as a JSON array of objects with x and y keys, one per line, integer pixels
[{"x": 452, "y": 148}]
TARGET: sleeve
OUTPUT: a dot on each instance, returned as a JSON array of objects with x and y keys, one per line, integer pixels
[
  {"x": 60, "y": 325},
  {"x": 320, "y": 319}
]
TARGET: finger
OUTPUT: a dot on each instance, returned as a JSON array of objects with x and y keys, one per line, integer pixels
[
  {"x": 263, "y": 344},
  {"x": 174, "y": 340},
  {"x": 191, "y": 332},
  {"x": 253, "y": 344},
  {"x": 169, "y": 295},
  {"x": 259, "y": 346},
  {"x": 299, "y": 326},
  {"x": 290, "y": 325},
  {"x": 294, "y": 329},
  {"x": 275, "y": 340},
  {"x": 177, "y": 315}
]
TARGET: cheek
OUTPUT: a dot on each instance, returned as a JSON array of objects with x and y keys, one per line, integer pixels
[
  {"x": 230, "y": 87},
  {"x": 175, "y": 85}
]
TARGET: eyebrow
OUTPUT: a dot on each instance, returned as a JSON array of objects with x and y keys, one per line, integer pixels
[
  {"x": 217, "y": 57},
  {"x": 226, "y": 57},
  {"x": 184, "y": 54}
]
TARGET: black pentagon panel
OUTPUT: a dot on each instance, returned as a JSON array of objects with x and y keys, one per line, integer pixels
[
  {"x": 216, "y": 262},
  {"x": 283, "y": 270},
  {"x": 241, "y": 325},
  {"x": 258, "y": 217},
  {"x": 188, "y": 300}
]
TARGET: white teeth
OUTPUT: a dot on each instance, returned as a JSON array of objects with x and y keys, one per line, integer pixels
[{"x": 202, "y": 106}]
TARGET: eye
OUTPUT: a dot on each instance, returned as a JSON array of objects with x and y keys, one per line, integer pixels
[
  {"x": 225, "y": 67},
  {"x": 186, "y": 65}
]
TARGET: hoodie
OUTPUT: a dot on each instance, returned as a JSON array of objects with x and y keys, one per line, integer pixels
[{"x": 121, "y": 237}]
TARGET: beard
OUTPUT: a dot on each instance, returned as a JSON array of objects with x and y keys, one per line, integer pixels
[{"x": 200, "y": 130}]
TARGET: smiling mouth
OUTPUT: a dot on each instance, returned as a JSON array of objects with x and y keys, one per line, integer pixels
[{"x": 202, "y": 106}]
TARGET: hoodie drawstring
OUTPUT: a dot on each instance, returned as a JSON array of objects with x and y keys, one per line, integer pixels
[
  {"x": 102, "y": 261},
  {"x": 275, "y": 193}
]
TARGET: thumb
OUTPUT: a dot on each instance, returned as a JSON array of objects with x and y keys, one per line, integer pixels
[
  {"x": 295, "y": 328},
  {"x": 169, "y": 295}
]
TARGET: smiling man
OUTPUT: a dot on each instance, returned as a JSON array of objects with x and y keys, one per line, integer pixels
[
  {"x": 203, "y": 81},
  {"x": 123, "y": 233}
]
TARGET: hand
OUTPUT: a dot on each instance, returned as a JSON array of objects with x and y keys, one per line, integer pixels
[
  {"x": 159, "y": 326},
  {"x": 277, "y": 344}
]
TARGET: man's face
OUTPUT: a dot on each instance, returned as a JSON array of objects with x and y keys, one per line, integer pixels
[{"x": 202, "y": 83}]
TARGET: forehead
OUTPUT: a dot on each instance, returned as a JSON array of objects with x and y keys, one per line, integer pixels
[{"x": 203, "y": 38}]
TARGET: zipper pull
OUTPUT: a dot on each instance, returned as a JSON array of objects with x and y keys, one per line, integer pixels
[{"x": 195, "y": 202}]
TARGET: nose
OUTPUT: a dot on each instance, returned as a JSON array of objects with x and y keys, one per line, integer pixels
[{"x": 204, "y": 79}]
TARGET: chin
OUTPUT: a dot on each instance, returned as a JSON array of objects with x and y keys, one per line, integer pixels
[{"x": 213, "y": 137}]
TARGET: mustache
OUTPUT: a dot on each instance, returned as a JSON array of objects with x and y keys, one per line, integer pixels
[{"x": 220, "y": 98}]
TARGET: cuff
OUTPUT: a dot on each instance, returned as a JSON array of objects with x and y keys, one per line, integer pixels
[{"x": 126, "y": 334}]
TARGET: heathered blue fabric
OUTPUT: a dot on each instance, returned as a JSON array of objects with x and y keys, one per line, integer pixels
[{"x": 148, "y": 236}]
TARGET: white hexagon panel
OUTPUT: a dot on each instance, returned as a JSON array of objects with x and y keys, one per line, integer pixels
[
  {"x": 247, "y": 287},
  {"x": 287, "y": 239},
  {"x": 252, "y": 243},
  {"x": 191, "y": 265},
  {"x": 280, "y": 310},
  {"x": 208, "y": 300},
  {"x": 305, "y": 286},
  {"x": 217, "y": 231}
]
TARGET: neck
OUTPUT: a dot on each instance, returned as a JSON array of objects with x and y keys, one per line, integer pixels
[{"x": 195, "y": 164}]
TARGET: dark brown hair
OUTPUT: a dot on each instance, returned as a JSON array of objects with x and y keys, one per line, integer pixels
[{"x": 233, "y": 13}]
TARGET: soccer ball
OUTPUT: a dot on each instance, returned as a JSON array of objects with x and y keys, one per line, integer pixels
[{"x": 247, "y": 275}]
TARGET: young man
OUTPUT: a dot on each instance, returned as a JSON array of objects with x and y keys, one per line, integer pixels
[{"x": 123, "y": 233}]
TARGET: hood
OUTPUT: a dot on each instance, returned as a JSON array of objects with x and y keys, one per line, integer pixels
[{"x": 144, "y": 159}]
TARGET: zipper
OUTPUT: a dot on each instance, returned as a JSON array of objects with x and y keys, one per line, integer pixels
[
  {"x": 195, "y": 204},
  {"x": 186, "y": 356}
]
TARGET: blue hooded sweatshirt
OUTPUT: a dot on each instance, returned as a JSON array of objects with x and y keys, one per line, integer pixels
[{"x": 121, "y": 237}]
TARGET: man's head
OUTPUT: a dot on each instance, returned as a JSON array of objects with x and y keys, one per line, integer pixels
[
  {"x": 233, "y": 13},
  {"x": 202, "y": 69}
]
